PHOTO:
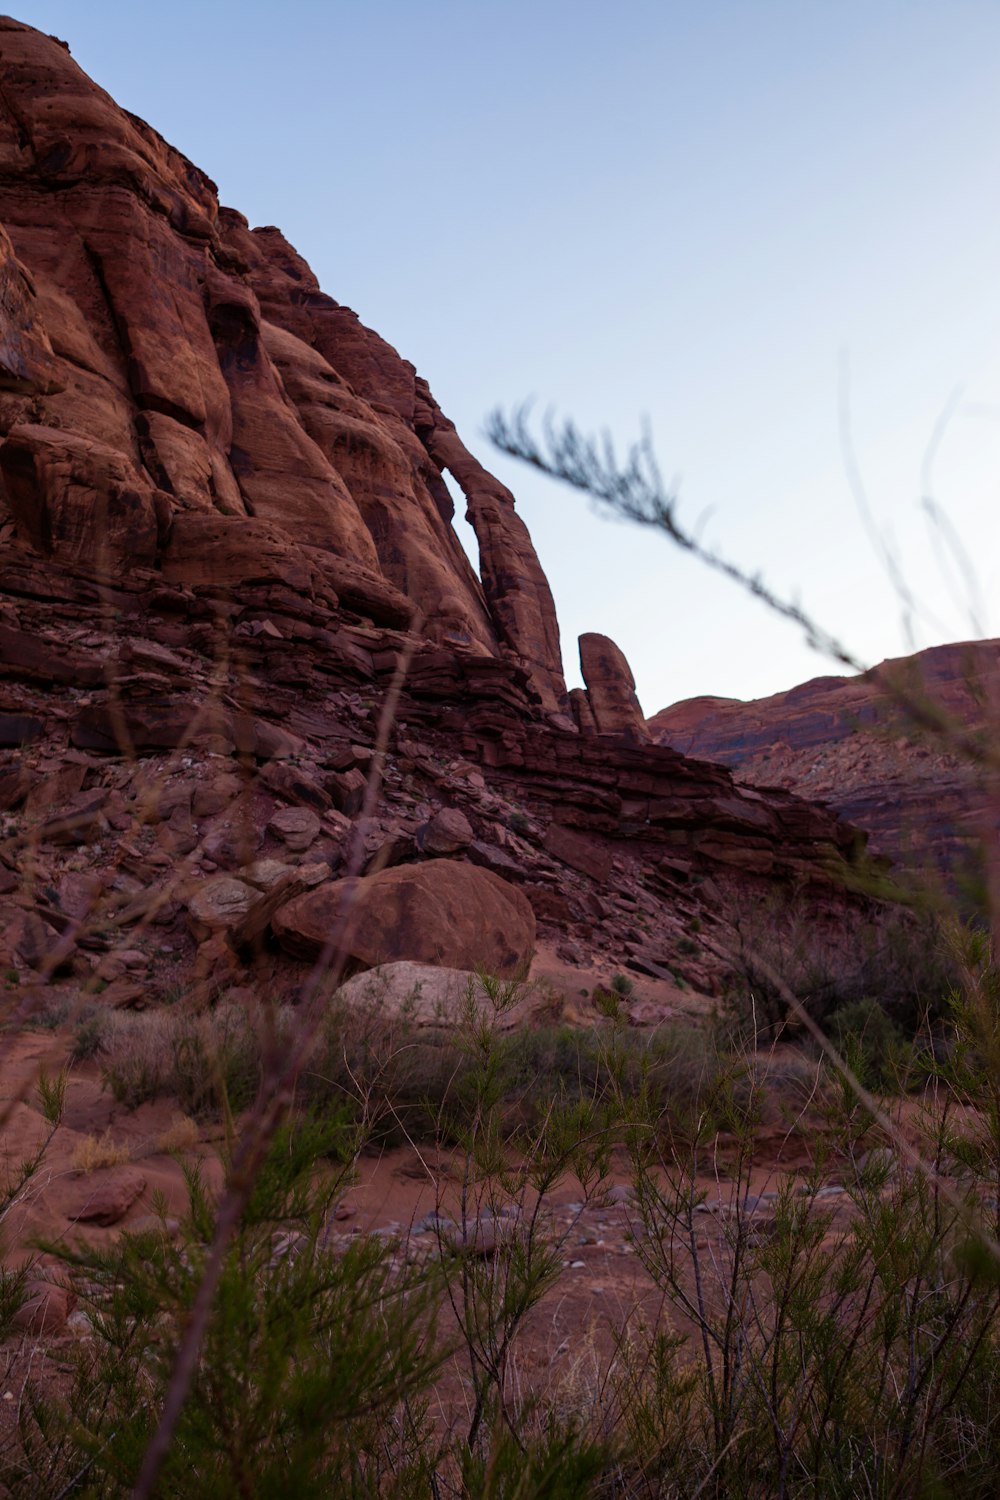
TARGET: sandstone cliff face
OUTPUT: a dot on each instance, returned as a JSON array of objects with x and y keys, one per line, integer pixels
[
  {"x": 851, "y": 742},
  {"x": 26, "y": 363},
  {"x": 187, "y": 367},
  {"x": 221, "y": 502}
]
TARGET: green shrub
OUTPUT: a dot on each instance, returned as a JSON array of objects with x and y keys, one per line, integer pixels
[
  {"x": 803, "y": 1346},
  {"x": 871, "y": 1044},
  {"x": 902, "y": 956},
  {"x": 88, "y": 1034},
  {"x": 311, "y": 1356}
]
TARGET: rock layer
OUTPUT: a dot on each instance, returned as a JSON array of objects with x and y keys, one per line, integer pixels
[{"x": 867, "y": 746}]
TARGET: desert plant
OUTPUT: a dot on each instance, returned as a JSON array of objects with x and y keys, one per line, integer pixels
[
  {"x": 825, "y": 1345},
  {"x": 210, "y": 1062},
  {"x": 901, "y": 956},
  {"x": 95, "y": 1152},
  {"x": 503, "y": 1260},
  {"x": 313, "y": 1357},
  {"x": 88, "y": 1034},
  {"x": 875, "y": 1048},
  {"x": 50, "y": 1097}
]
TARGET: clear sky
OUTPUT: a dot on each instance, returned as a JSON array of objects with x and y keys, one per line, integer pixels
[{"x": 699, "y": 212}]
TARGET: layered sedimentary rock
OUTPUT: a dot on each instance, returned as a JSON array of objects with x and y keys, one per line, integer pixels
[
  {"x": 516, "y": 588},
  {"x": 178, "y": 364},
  {"x": 26, "y": 362},
  {"x": 903, "y": 751},
  {"x": 222, "y": 503}
]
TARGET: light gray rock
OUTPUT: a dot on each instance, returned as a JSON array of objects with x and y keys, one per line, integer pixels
[
  {"x": 218, "y": 904},
  {"x": 429, "y": 996}
]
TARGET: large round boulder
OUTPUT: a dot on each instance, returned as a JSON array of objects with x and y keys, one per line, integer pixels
[{"x": 445, "y": 912}]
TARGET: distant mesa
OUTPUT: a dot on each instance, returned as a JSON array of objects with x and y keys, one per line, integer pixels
[{"x": 852, "y": 743}]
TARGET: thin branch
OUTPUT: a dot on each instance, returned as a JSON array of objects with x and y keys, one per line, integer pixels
[
  {"x": 271, "y": 1105},
  {"x": 634, "y": 490}
]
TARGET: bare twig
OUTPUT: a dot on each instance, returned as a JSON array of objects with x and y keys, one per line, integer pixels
[{"x": 272, "y": 1103}]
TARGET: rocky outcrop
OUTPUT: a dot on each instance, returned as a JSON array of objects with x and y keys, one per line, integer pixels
[
  {"x": 222, "y": 505},
  {"x": 173, "y": 373},
  {"x": 866, "y": 745},
  {"x": 444, "y": 913},
  {"x": 26, "y": 362},
  {"x": 613, "y": 706},
  {"x": 516, "y": 588}
]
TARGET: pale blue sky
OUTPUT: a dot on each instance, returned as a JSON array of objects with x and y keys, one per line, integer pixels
[{"x": 685, "y": 211}]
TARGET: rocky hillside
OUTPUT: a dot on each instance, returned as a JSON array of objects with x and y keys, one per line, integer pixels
[
  {"x": 854, "y": 744},
  {"x": 223, "y": 528}
]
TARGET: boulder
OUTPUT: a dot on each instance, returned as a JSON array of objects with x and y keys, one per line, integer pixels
[
  {"x": 448, "y": 832},
  {"x": 295, "y": 786},
  {"x": 80, "y": 819},
  {"x": 107, "y": 1196},
  {"x": 233, "y": 842},
  {"x": 347, "y": 788},
  {"x": 425, "y": 995},
  {"x": 178, "y": 835},
  {"x": 265, "y": 874},
  {"x": 492, "y": 857},
  {"x": 219, "y": 904},
  {"x": 445, "y": 913},
  {"x": 16, "y": 783},
  {"x": 297, "y": 827},
  {"x": 215, "y": 794},
  {"x": 45, "y": 1308},
  {"x": 34, "y": 940},
  {"x": 78, "y": 894}
]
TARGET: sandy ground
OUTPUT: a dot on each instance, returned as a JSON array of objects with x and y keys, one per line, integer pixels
[{"x": 415, "y": 1197}]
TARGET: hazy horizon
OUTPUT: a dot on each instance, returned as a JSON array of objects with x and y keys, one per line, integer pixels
[{"x": 700, "y": 216}]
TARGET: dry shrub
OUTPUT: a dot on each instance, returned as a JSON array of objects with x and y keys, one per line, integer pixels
[
  {"x": 897, "y": 955},
  {"x": 207, "y": 1062},
  {"x": 182, "y": 1134},
  {"x": 95, "y": 1152},
  {"x": 396, "y": 1075}
]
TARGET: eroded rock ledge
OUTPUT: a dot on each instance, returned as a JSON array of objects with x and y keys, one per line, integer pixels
[{"x": 221, "y": 505}]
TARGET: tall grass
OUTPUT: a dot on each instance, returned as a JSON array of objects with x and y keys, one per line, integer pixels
[{"x": 834, "y": 1335}]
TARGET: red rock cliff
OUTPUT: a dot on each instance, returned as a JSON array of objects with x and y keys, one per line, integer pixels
[
  {"x": 221, "y": 499},
  {"x": 201, "y": 404},
  {"x": 852, "y": 742}
]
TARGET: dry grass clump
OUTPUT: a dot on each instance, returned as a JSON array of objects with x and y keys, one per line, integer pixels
[
  {"x": 206, "y": 1061},
  {"x": 95, "y": 1152},
  {"x": 182, "y": 1134}
]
